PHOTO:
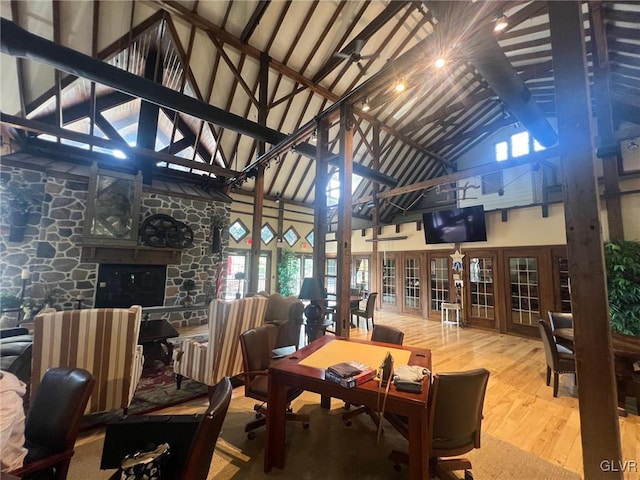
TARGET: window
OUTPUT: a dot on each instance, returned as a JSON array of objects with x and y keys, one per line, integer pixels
[
  {"x": 333, "y": 187},
  {"x": 238, "y": 230},
  {"x": 291, "y": 236},
  {"x": 310, "y": 238},
  {"x": 492, "y": 183},
  {"x": 502, "y": 151},
  {"x": 267, "y": 234},
  {"x": 518, "y": 145}
]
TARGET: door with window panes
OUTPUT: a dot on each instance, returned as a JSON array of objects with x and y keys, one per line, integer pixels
[
  {"x": 480, "y": 289},
  {"x": 412, "y": 278},
  {"x": 528, "y": 274},
  {"x": 390, "y": 298},
  {"x": 439, "y": 282},
  {"x": 561, "y": 281}
]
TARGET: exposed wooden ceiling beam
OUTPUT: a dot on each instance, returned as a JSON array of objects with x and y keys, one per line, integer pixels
[
  {"x": 254, "y": 21},
  {"x": 39, "y": 127}
]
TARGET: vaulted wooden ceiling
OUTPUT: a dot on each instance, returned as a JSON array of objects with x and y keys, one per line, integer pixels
[{"x": 280, "y": 64}]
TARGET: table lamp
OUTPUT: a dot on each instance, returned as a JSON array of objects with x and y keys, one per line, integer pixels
[{"x": 313, "y": 290}]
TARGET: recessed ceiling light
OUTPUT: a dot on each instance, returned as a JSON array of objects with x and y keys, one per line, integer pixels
[
  {"x": 502, "y": 22},
  {"x": 440, "y": 62},
  {"x": 365, "y": 105},
  {"x": 400, "y": 86}
]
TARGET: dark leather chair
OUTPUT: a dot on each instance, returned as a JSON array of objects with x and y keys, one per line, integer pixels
[
  {"x": 557, "y": 362},
  {"x": 198, "y": 460},
  {"x": 53, "y": 422},
  {"x": 561, "y": 320},
  {"x": 367, "y": 313},
  {"x": 257, "y": 345},
  {"x": 455, "y": 419},
  {"x": 383, "y": 334}
]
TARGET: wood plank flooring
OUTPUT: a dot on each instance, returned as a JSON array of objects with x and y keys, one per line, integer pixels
[{"x": 519, "y": 408}]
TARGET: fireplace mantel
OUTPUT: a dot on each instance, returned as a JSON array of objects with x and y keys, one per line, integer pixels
[{"x": 137, "y": 255}]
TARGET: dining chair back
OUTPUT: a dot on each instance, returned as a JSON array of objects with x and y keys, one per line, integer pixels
[
  {"x": 53, "y": 422},
  {"x": 368, "y": 312},
  {"x": 557, "y": 362},
  {"x": 455, "y": 408}
]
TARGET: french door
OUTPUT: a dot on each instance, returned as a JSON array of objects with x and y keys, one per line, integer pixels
[{"x": 480, "y": 292}]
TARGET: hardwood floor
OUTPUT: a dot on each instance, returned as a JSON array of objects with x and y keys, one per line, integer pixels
[{"x": 519, "y": 408}]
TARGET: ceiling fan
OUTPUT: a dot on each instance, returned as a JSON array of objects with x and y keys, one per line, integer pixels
[{"x": 355, "y": 56}]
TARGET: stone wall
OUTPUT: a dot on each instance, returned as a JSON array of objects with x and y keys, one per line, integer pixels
[{"x": 51, "y": 249}]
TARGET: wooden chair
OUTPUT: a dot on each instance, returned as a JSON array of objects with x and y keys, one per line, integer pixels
[
  {"x": 103, "y": 341},
  {"x": 257, "y": 345},
  {"x": 367, "y": 313},
  {"x": 382, "y": 334},
  {"x": 561, "y": 320},
  {"x": 455, "y": 419},
  {"x": 558, "y": 362},
  {"x": 221, "y": 356},
  {"x": 53, "y": 422}
]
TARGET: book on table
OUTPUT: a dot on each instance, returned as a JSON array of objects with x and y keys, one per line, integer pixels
[{"x": 349, "y": 374}]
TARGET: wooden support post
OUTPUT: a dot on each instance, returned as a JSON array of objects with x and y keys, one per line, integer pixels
[
  {"x": 320, "y": 203},
  {"x": 376, "y": 282},
  {"x": 343, "y": 235},
  {"x": 600, "y": 430},
  {"x": 258, "y": 202},
  {"x": 601, "y": 72}
]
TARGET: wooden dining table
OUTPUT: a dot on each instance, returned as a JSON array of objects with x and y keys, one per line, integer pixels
[{"x": 626, "y": 352}]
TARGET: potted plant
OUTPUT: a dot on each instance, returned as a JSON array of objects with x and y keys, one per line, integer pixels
[
  {"x": 20, "y": 202},
  {"x": 188, "y": 285},
  {"x": 622, "y": 260},
  {"x": 288, "y": 269}
]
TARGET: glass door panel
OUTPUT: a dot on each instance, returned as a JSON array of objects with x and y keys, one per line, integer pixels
[
  {"x": 439, "y": 275},
  {"x": 481, "y": 289},
  {"x": 525, "y": 296},
  {"x": 389, "y": 290},
  {"x": 564, "y": 283},
  {"x": 412, "y": 284},
  {"x": 360, "y": 275}
]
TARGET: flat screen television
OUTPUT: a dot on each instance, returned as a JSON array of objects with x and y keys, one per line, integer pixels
[{"x": 455, "y": 225}]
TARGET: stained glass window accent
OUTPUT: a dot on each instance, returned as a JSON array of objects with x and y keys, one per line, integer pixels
[
  {"x": 310, "y": 238},
  {"x": 291, "y": 236},
  {"x": 238, "y": 230},
  {"x": 267, "y": 234}
]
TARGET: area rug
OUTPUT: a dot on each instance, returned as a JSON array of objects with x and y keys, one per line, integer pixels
[
  {"x": 331, "y": 450},
  {"x": 155, "y": 390}
]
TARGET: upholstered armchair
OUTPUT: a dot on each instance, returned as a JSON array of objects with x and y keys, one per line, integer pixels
[
  {"x": 286, "y": 314},
  {"x": 103, "y": 341},
  {"x": 221, "y": 356}
]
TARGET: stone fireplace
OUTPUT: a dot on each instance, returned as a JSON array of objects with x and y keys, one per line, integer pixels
[{"x": 55, "y": 253}]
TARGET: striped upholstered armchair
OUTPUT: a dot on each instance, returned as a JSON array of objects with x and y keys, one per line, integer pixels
[
  {"x": 103, "y": 341},
  {"x": 221, "y": 356}
]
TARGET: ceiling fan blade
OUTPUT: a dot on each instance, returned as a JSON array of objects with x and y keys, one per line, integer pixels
[
  {"x": 366, "y": 57},
  {"x": 358, "y": 46},
  {"x": 341, "y": 55},
  {"x": 360, "y": 67}
]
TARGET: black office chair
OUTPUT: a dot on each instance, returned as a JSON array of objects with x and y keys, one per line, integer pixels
[
  {"x": 383, "y": 334},
  {"x": 257, "y": 345},
  {"x": 455, "y": 419},
  {"x": 557, "y": 361},
  {"x": 367, "y": 313},
  {"x": 53, "y": 422}
]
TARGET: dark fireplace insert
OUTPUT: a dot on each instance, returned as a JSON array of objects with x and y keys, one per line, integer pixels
[{"x": 126, "y": 285}]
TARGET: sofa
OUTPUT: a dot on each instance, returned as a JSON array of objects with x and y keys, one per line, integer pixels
[
  {"x": 286, "y": 314},
  {"x": 15, "y": 352}
]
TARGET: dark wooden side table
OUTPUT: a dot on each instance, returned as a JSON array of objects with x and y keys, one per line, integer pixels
[{"x": 153, "y": 338}]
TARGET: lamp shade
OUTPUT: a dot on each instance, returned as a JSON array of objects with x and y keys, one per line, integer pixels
[{"x": 312, "y": 289}]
